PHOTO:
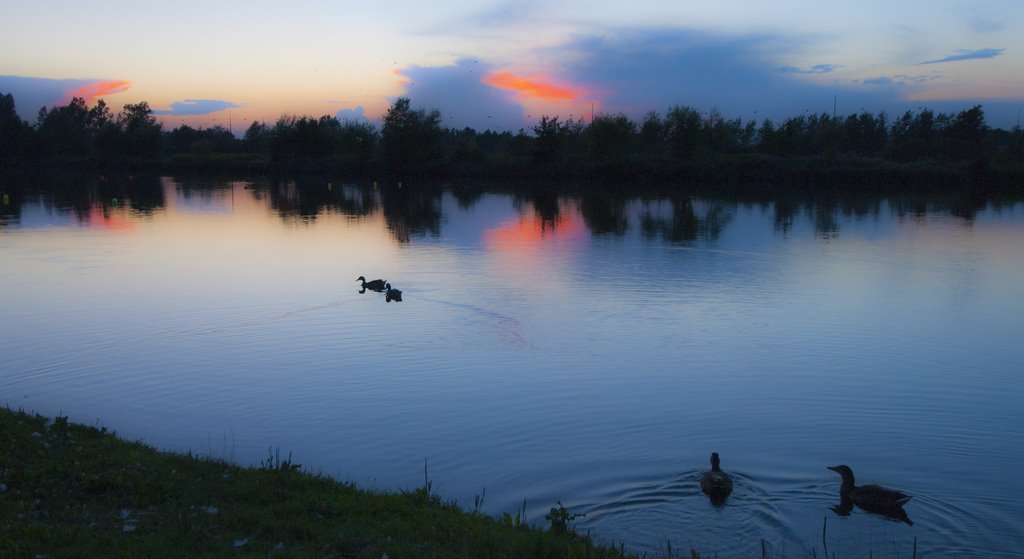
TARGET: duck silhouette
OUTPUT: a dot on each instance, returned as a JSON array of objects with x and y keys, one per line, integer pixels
[
  {"x": 872, "y": 498},
  {"x": 377, "y": 285},
  {"x": 716, "y": 483},
  {"x": 391, "y": 294}
]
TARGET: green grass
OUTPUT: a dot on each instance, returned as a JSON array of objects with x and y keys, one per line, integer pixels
[{"x": 69, "y": 490}]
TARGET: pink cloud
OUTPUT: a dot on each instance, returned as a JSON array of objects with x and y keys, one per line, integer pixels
[{"x": 93, "y": 90}]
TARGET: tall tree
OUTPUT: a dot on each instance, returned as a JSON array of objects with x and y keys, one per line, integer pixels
[
  {"x": 410, "y": 137},
  {"x": 356, "y": 141},
  {"x": 142, "y": 134},
  {"x": 257, "y": 138},
  {"x": 64, "y": 131},
  {"x": 106, "y": 134},
  {"x": 966, "y": 134},
  {"x": 609, "y": 137},
  {"x": 683, "y": 128},
  {"x": 553, "y": 138},
  {"x": 652, "y": 134},
  {"x": 14, "y": 132}
]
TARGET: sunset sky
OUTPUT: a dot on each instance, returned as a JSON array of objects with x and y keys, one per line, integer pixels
[{"x": 502, "y": 64}]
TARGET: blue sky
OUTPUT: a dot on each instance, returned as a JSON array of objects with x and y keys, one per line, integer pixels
[{"x": 500, "y": 65}]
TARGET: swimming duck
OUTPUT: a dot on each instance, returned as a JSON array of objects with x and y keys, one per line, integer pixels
[
  {"x": 377, "y": 285},
  {"x": 716, "y": 483},
  {"x": 872, "y": 498},
  {"x": 391, "y": 294}
]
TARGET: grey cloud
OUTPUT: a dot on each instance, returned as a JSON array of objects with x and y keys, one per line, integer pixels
[
  {"x": 901, "y": 79},
  {"x": 966, "y": 55},
  {"x": 193, "y": 107},
  {"x": 357, "y": 114},
  {"x": 667, "y": 67},
  {"x": 816, "y": 69},
  {"x": 705, "y": 71},
  {"x": 32, "y": 94},
  {"x": 463, "y": 99}
]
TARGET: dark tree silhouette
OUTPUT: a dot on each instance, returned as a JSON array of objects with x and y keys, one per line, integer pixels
[
  {"x": 107, "y": 137},
  {"x": 257, "y": 138},
  {"x": 652, "y": 134},
  {"x": 720, "y": 135},
  {"x": 186, "y": 139},
  {"x": 912, "y": 136},
  {"x": 609, "y": 137},
  {"x": 464, "y": 146},
  {"x": 15, "y": 134},
  {"x": 410, "y": 137},
  {"x": 966, "y": 134},
  {"x": 554, "y": 137},
  {"x": 683, "y": 130},
  {"x": 305, "y": 136},
  {"x": 142, "y": 133},
  {"x": 683, "y": 143},
  {"x": 357, "y": 142},
  {"x": 767, "y": 137},
  {"x": 64, "y": 131},
  {"x": 864, "y": 133}
]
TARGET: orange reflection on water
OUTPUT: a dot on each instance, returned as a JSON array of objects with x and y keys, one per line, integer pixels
[
  {"x": 105, "y": 219},
  {"x": 530, "y": 231}
]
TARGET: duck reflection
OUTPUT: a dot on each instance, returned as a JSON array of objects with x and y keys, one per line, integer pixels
[{"x": 872, "y": 498}]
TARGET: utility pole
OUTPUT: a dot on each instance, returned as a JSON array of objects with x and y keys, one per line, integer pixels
[{"x": 835, "y": 100}]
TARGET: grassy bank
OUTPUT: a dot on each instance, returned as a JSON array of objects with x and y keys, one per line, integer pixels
[{"x": 69, "y": 490}]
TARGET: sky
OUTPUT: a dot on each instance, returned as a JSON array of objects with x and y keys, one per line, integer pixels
[{"x": 501, "y": 65}]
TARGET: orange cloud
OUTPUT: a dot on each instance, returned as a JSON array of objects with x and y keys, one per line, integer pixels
[
  {"x": 402, "y": 80},
  {"x": 526, "y": 86},
  {"x": 91, "y": 91}
]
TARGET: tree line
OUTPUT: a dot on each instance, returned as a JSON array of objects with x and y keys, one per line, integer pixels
[
  {"x": 78, "y": 131},
  {"x": 414, "y": 139}
]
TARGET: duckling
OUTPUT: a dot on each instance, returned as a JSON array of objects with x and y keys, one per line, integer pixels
[
  {"x": 872, "y": 498},
  {"x": 377, "y": 285},
  {"x": 716, "y": 483},
  {"x": 391, "y": 294}
]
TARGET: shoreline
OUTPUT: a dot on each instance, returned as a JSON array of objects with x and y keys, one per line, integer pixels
[
  {"x": 748, "y": 173},
  {"x": 70, "y": 490}
]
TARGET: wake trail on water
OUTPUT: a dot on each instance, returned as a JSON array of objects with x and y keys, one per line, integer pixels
[
  {"x": 510, "y": 329},
  {"x": 254, "y": 322}
]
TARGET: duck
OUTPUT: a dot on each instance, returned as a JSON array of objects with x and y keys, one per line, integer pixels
[
  {"x": 377, "y": 285},
  {"x": 391, "y": 294},
  {"x": 872, "y": 498},
  {"x": 716, "y": 484}
]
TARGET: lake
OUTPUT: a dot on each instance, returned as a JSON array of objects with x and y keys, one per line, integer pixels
[{"x": 582, "y": 348}]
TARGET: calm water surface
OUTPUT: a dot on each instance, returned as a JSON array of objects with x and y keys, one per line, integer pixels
[{"x": 592, "y": 350}]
